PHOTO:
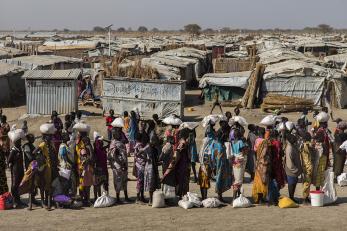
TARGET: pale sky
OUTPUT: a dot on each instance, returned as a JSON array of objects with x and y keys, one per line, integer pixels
[{"x": 171, "y": 14}]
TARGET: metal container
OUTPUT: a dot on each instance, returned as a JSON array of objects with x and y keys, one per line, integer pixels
[
  {"x": 47, "y": 91},
  {"x": 147, "y": 96}
]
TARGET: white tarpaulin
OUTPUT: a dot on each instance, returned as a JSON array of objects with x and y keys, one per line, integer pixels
[
  {"x": 301, "y": 79},
  {"x": 235, "y": 79}
]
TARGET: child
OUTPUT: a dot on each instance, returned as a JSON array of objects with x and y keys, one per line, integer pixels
[{"x": 101, "y": 172}]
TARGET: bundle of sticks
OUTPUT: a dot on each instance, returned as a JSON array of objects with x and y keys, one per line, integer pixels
[{"x": 286, "y": 103}]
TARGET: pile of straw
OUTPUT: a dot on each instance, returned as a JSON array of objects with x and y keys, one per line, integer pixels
[
  {"x": 286, "y": 103},
  {"x": 132, "y": 71}
]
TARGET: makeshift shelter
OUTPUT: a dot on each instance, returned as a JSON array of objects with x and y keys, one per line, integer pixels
[
  {"x": 147, "y": 96},
  {"x": 12, "y": 86},
  {"x": 51, "y": 90},
  {"x": 230, "y": 86},
  {"x": 306, "y": 80},
  {"x": 45, "y": 62}
]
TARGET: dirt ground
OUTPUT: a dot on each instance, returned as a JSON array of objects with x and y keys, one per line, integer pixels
[{"x": 143, "y": 217}]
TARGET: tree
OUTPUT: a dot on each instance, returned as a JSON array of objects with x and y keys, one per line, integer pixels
[
  {"x": 325, "y": 28},
  {"x": 155, "y": 29},
  {"x": 66, "y": 30},
  {"x": 121, "y": 29},
  {"x": 193, "y": 29},
  {"x": 142, "y": 29},
  {"x": 99, "y": 29}
]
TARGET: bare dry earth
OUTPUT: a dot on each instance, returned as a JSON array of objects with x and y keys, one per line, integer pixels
[{"x": 143, "y": 217}]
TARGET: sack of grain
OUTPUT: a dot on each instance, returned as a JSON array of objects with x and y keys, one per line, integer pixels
[
  {"x": 118, "y": 123},
  {"x": 48, "y": 129},
  {"x": 82, "y": 127},
  {"x": 172, "y": 120},
  {"x": 242, "y": 121},
  {"x": 269, "y": 120},
  {"x": 211, "y": 203},
  {"x": 158, "y": 199},
  {"x": 189, "y": 125},
  {"x": 16, "y": 134},
  {"x": 323, "y": 117}
]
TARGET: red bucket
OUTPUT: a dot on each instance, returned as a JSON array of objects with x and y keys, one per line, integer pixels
[{"x": 2, "y": 203}]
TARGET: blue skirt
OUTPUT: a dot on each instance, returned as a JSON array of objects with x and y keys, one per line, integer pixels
[{"x": 194, "y": 153}]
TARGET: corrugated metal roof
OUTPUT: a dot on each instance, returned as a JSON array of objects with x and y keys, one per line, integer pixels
[{"x": 52, "y": 74}]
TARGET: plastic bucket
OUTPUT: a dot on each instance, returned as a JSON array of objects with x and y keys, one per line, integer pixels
[
  {"x": 317, "y": 198},
  {"x": 2, "y": 203}
]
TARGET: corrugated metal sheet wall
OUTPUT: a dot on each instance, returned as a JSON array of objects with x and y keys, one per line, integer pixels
[{"x": 44, "y": 96}]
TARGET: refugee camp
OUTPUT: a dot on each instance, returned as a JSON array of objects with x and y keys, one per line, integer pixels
[{"x": 159, "y": 121}]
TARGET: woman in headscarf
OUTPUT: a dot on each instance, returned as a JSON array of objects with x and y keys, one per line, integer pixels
[
  {"x": 239, "y": 160},
  {"x": 306, "y": 157},
  {"x": 321, "y": 154},
  {"x": 118, "y": 160},
  {"x": 86, "y": 170},
  {"x": 193, "y": 152},
  {"x": 133, "y": 129},
  {"x": 205, "y": 168},
  {"x": 101, "y": 172},
  {"x": 223, "y": 170},
  {"x": 262, "y": 148},
  {"x": 180, "y": 165},
  {"x": 292, "y": 162},
  {"x": 167, "y": 158},
  {"x": 339, "y": 155},
  {"x": 47, "y": 148},
  {"x": 151, "y": 178},
  {"x": 277, "y": 176}
]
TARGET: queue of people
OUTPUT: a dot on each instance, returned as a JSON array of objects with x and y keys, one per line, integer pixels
[{"x": 67, "y": 163}]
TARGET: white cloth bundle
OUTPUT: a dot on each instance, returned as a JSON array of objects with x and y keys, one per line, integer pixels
[
  {"x": 118, "y": 123},
  {"x": 48, "y": 129},
  {"x": 104, "y": 201},
  {"x": 82, "y": 127},
  {"x": 194, "y": 199},
  {"x": 288, "y": 126},
  {"x": 189, "y": 125},
  {"x": 241, "y": 201},
  {"x": 342, "y": 180},
  {"x": 329, "y": 189},
  {"x": 213, "y": 118},
  {"x": 185, "y": 204},
  {"x": 16, "y": 134},
  {"x": 172, "y": 120},
  {"x": 269, "y": 120},
  {"x": 241, "y": 120},
  {"x": 323, "y": 117},
  {"x": 211, "y": 203}
]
